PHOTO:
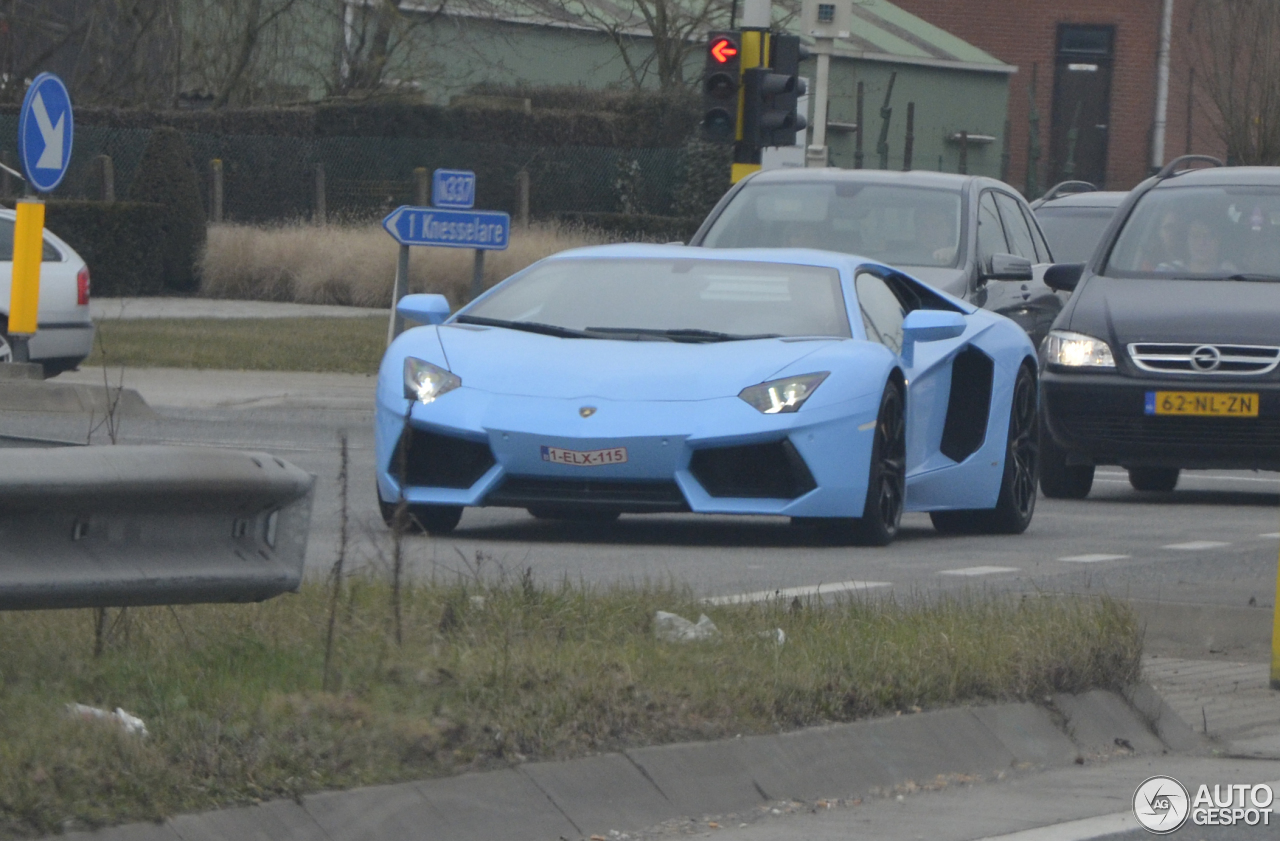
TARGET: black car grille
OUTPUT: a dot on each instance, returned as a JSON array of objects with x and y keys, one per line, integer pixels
[
  {"x": 429, "y": 459},
  {"x": 1259, "y": 433},
  {"x": 755, "y": 471},
  {"x": 630, "y": 496}
]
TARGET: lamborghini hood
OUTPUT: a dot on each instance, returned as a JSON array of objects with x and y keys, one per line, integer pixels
[{"x": 503, "y": 361}]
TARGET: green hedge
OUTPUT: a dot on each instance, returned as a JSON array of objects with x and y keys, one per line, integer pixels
[
  {"x": 121, "y": 242},
  {"x": 636, "y": 227},
  {"x": 564, "y": 119},
  {"x": 167, "y": 176}
]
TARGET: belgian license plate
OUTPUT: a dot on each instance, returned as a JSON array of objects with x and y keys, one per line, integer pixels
[
  {"x": 588, "y": 458},
  {"x": 1202, "y": 404}
]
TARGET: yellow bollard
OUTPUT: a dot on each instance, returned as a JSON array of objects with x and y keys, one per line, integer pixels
[{"x": 28, "y": 250}]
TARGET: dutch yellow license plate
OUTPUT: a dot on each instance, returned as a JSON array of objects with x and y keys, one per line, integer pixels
[{"x": 1216, "y": 404}]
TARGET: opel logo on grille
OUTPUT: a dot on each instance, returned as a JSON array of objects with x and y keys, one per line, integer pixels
[
  {"x": 587, "y": 411},
  {"x": 1206, "y": 358}
]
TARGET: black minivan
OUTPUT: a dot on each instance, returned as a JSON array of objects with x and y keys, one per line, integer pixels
[{"x": 1167, "y": 355}]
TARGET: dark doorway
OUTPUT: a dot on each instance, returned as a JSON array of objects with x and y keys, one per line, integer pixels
[{"x": 1081, "y": 104}]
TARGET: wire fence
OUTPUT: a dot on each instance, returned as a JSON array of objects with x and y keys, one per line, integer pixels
[{"x": 268, "y": 179}]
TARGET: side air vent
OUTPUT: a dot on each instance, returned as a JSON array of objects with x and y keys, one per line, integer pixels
[
  {"x": 969, "y": 406},
  {"x": 756, "y": 471},
  {"x": 440, "y": 461}
]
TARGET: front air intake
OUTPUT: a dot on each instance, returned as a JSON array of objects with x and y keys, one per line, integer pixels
[
  {"x": 755, "y": 471},
  {"x": 433, "y": 460}
]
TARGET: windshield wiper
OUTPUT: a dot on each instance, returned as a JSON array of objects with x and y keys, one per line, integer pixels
[
  {"x": 685, "y": 334},
  {"x": 527, "y": 326},
  {"x": 1253, "y": 278}
]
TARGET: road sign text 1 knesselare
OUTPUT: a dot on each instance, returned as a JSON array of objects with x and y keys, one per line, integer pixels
[{"x": 483, "y": 229}]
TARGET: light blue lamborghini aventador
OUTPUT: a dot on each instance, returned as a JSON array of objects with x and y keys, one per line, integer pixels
[{"x": 660, "y": 378}]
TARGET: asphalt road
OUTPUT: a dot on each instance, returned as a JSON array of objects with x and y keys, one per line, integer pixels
[{"x": 1213, "y": 540}]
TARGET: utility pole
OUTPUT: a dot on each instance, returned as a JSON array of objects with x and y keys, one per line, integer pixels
[{"x": 825, "y": 22}]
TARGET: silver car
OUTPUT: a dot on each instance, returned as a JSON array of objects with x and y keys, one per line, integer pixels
[{"x": 64, "y": 330}]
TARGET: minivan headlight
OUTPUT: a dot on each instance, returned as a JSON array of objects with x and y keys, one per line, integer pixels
[
  {"x": 1076, "y": 350},
  {"x": 425, "y": 382}
]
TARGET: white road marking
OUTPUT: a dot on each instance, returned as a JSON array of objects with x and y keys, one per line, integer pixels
[
  {"x": 1093, "y": 559},
  {"x": 1197, "y": 476},
  {"x": 798, "y": 592},
  {"x": 1196, "y": 545},
  {"x": 1099, "y": 827},
  {"x": 985, "y": 570},
  {"x": 1272, "y": 536}
]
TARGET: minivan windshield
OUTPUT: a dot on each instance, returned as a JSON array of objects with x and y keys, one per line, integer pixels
[
  {"x": 676, "y": 300},
  {"x": 1073, "y": 232},
  {"x": 892, "y": 223},
  {"x": 1209, "y": 232}
]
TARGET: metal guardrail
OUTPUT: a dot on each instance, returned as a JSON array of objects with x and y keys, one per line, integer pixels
[{"x": 115, "y": 526}]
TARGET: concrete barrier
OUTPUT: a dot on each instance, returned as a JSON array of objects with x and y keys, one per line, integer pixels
[{"x": 144, "y": 525}]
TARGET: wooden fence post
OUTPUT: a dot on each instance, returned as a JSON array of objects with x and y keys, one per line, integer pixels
[
  {"x": 522, "y": 187},
  {"x": 421, "y": 186},
  {"x": 320, "y": 212},
  {"x": 215, "y": 167},
  {"x": 908, "y": 146},
  {"x": 963, "y": 169},
  {"x": 857, "y": 140},
  {"x": 107, "y": 173}
]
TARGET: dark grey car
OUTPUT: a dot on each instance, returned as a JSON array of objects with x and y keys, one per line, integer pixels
[
  {"x": 967, "y": 235},
  {"x": 1074, "y": 222}
]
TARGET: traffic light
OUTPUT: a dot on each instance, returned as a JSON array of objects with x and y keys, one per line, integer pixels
[
  {"x": 769, "y": 115},
  {"x": 785, "y": 61},
  {"x": 720, "y": 87}
]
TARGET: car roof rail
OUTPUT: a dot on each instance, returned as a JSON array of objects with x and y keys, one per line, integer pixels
[
  {"x": 1066, "y": 188},
  {"x": 1175, "y": 166}
]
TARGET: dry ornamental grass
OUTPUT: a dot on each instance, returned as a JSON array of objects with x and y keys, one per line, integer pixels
[
  {"x": 356, "y": 265},
  {"x": 488, "y": 674}
]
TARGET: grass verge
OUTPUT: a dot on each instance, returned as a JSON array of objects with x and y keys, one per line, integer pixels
[
  {"x": 345, "y": 345},
  {"x": 487, "y": 675}
]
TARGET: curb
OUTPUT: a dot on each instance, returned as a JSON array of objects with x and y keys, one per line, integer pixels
[
  {"x": 638, "y": 788},
  {"x": 49, "y": 396}
]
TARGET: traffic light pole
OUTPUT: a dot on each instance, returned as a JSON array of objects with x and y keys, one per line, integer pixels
[{"x": 816, "y": 153}]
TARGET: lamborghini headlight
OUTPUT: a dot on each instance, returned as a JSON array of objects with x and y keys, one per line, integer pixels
[
  {"x": 1076, "y": 350},
  {"x": 425, "y": 382},
  {"x": 785, "y": 395}
]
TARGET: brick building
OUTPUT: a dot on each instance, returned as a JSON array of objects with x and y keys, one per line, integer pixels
[{"x": 1095, "y": 69}]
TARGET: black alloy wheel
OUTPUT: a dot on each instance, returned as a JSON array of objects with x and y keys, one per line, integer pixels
[
  {"x": 419, "y": 519},
  {"x": 1017, "y": 500},
  {"x": 1154, "y": 479},
  {"x": 887, "y": 478},
  {"x": 1059, "y": 480}
]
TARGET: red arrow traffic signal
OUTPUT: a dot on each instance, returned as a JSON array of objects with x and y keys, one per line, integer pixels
[{"x": 723, "y": 50}]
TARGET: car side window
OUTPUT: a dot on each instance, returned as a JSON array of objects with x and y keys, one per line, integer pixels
[
  {"x": 882, "y": 312},
  {"x": 990, "y": 233},
  {"x": 1042, "y": 247},
  {"x": 1015, "y": 226},
  {"x": 50, "y": 255}
]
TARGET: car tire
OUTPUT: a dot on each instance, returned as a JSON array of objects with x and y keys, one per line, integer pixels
[
  {"x": 1154, "y": 479},
  {"x": 6, "y": 347},
  {"x": 1016, "y": 503},
  {"x": 419, "y": 519},
  {"x": 1059, "y": 480},
  {"x": 577, "y": 515},
  {"x": 887, "y": 475}
]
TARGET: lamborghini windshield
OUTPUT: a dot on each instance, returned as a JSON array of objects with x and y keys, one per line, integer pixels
[{"x": 666, "y": 299}]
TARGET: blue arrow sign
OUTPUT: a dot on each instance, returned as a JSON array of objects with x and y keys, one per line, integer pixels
[
  {"x": 45, "y": 128},
  {"x": 453, "y": 188},
  {"x": 488, "y": 230}
]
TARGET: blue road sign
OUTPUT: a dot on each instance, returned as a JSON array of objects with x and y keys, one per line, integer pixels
[
  {"x": 487, "y": 230},
  {"x": 45, "y": 128},
  {"x": 453, "y": 188}
]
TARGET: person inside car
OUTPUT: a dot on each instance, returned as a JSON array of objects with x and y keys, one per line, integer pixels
[{"x": 935, "y": 235}]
